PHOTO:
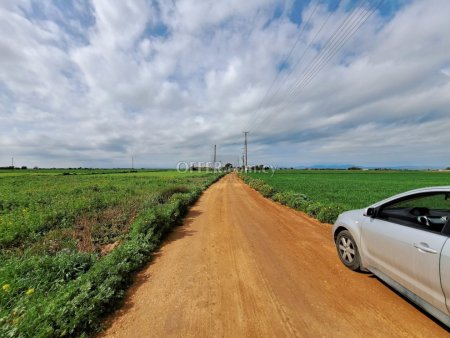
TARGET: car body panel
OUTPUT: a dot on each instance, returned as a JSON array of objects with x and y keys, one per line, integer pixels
[
  {"x": 387, "y": 246},
  {"x": 427, "y": 269},
  {"x": 351, "y": 220},
  {"x": 414, "y": 261},
  {"x": 443, "y": 317},
  {"x": 377, "y": 242},
  {"x": 445, "y": 272}
]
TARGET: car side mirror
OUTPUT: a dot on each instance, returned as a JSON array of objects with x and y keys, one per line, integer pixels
[{"x": 369, "y": 212}]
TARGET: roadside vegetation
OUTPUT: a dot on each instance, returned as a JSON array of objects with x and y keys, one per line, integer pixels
[
  {"x": 69, "y": 244},
  {"x": 324, "y": 194}
]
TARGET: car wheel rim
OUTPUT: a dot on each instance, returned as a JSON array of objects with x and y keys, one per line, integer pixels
[{"x": 347, "y": 250}]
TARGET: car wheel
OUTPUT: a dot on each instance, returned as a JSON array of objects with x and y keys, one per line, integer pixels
[{"x": 347, "y": 250}]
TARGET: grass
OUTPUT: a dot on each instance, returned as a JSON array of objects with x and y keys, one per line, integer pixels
[
  {"x": 58, "y": 274},
  {"x": 35, "y": 209},
  {"x": 352, "y": 189},
  {"x": 324, "y": 194}
]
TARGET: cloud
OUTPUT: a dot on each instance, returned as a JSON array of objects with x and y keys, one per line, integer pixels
[
  {"x": 446, "y": 71},
  {"x": 90, "y": 83}
]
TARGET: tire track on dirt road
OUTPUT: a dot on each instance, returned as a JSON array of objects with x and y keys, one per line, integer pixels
[{"x": 244, "y": 266}]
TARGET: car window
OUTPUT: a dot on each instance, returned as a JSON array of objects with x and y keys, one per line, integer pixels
[
  {"x": 433, "y": 202},
  {"x": 428, "y": 212}
]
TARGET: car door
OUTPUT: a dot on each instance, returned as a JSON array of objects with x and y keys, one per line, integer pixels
[
  {"x": 426, "y": 259},
  {"x": 388, "y": 248},
  {"x": 445, "y": 272},
  {"x": 396, "y": 244}
]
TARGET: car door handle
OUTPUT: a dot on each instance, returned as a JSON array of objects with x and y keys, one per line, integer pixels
[{"x": 424, "y": 248}]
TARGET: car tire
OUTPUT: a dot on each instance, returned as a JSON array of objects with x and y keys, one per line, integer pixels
[{"x": 348, "y": 251}]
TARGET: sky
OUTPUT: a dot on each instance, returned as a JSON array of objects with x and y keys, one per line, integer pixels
[{"x": 93, "y": 83}]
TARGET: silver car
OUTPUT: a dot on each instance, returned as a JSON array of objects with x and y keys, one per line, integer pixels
[{"x": 403, "y": 240}]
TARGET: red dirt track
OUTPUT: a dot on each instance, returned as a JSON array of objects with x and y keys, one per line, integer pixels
[{"x": 244, "y": 266}]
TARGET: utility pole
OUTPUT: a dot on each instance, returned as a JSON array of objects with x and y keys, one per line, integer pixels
[
  {"x": 132, "y": 162},
  {"x": 245, "y": 150},
  {"x": 12, "y": 162},
  {"x": 215, "y": 153}
]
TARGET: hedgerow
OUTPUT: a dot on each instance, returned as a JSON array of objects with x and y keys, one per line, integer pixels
[{"x": 326, "y": 213}]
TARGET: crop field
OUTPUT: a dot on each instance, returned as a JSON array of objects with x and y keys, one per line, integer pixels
[
  {"x": 69, "y": 241},
  {"x": 352, "y": 189},
  {"x": 325, "y": 193}
]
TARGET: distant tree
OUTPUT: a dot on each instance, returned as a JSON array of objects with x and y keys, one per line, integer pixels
[
  {"x": 228, "y": 166},
  {"x": 24, "y": 167},
  {"x": 354, "y": 168}
]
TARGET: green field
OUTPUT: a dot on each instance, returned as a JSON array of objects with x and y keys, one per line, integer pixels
[
  {"x": 36, "y": 208},
  {"x": 70, "y": 240},
  {"x": 351, "y": 189},
  {"x": 324, "y": 194}
]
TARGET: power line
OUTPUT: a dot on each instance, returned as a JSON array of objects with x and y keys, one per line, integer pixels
[
  {"x": 290, "y": 53},
  {"x": 329, "y": 44},
  {"x": 298, "y": 61},
  {"x": 332, "y": 46},
  {"x": 338, "y": 45},
  {"x": 296, "y": 64}
]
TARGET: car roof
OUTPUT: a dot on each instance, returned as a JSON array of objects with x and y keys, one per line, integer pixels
[{"x": 445, "y": 188}]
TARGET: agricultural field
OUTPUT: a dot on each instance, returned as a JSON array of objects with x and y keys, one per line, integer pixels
[
  {"x": 70, "y": 240},
  {"x": 352, "y": 189},
  {"x": 325, "y": 193}
]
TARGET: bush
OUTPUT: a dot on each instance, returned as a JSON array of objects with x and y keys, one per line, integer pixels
[
  {"x": 292, "y": 199},
  {"x": 166, "y": 194},
  {"x": 260, "y": 185},
  {"x": 267, "y": 191},
  {"x": 324, "y": 213},
  {"x": 329, "y": 213},
  {"x": 314, "y": 208}
]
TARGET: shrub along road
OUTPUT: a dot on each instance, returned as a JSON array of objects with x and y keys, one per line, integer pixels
[{"x": 242, "y": 265}]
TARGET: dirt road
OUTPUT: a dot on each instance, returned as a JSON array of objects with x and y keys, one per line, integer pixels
[{"x": 242, "y": 265}]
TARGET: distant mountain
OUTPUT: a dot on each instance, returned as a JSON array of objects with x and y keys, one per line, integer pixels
[
  {"x": 415, "y": 167},
  {"x": 346, "y": 166},
  {"x": 327, "y": 166}
]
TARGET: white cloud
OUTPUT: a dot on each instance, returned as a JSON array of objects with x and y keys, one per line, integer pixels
[
  {"x": 167, "y": 80},
  {"x": 446, "y": 71}
]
